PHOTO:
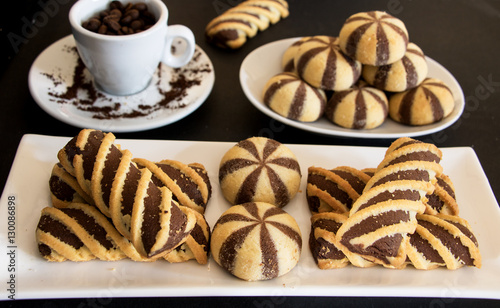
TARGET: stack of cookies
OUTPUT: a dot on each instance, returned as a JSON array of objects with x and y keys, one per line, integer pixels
[
  {"x": 370, "y": 71},
  {"x": 402, "y": 212}
]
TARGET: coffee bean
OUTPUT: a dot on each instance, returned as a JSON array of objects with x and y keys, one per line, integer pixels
[{"x": 121, "y": 19}]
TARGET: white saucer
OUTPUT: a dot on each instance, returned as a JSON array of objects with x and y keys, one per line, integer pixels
[
  {"x": 52, "y": 74},
  {"x": 264, "y": 62}
]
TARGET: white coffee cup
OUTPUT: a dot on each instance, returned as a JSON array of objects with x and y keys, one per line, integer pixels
[{"x": 125, "y": 64}]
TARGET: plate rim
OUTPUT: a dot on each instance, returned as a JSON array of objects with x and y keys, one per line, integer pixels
[
  {"x": 143, "y": 123},
  {"x": 344, "y": 132}
]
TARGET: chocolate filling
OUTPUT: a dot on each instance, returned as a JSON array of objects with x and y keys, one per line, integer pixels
[
  {"x": 425, "y": 248},
  {"x": 60, "y": 231},
  {"x": 130, "y": 186},
  {"x": 331, "y": 188},
  {"x": 455, "y": 247},
  {"x": 413, "y": 175},
  {"x": 416, "y": 156},
  {"x": 151, "y": 217},
  {"x": 62, "y": 190},
  {"x": 90, "y": 225},
  {"x": 109, "y": 171},
  {"x": 411, "y": 195},
  {"x": 185, "y": 183}
]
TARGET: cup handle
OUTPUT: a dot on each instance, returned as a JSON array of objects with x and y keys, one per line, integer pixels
[{"x": 176, "y": 59}]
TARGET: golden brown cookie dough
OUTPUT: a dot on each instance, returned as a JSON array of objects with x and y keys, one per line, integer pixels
[
  {"x": 374, "y": 38},
  {"x": 320, "y": 62},
  {"x": 256, "y": 241},
  {"x": 360, "y": 107},
  {"x": 401, "y": 75},
  {"x": 259, "y": 169},
  {"x": 427, "y": 103},
  {"x": 291, "y": 97}
]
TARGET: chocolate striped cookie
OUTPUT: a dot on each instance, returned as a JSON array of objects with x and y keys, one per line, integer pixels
[
  {"x": 322, "y": 242},
  {"x": 197, "y": 245},
  {"x": 374, "y": 38},
  {"x": 443, "y": 240},
  {"x": 320, "y": 62},
  {"x": 256, "y": 241},
  {"x": 142, "y": 212},
  {"x": 64, "y": 188},
  {"x": 287, "y": 61},
  {"x": 334, "y": 190},
  {"x": 427, "y": 103},
  {"x": 259, "y": 169},
  {"x": 79, "y": 232},
  {"x": 289, "y": 96},
  {"x": 443, "y": 199},
  {"x": 232, "y": 28},
  {"x": 360, "y": 107},
  {"x": 189, "y": 184},
  {"x": 401, "y": 75},
  {"x": 382, "y": 217}
]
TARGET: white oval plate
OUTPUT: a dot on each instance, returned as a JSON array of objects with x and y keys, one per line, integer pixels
[
  {"x": 53, "y": 70},
  {"x": 264, "y": 62}
]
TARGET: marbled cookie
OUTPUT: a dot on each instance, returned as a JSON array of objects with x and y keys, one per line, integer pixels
[
  {"x": 256, "y": 241},
  {"x": 291, "y": 97},
  {"x": 374, "y": 38},
  {"x": 259, "y": 169},
  {"x": 334, "y": 190},
  {"x": 322, "y": 242},
  {"x": 401, "y": 75},
  {"x": 427, "y": 103},
  {"x": 443, "y": 240},
  {"x": 360, "y": 107},
  {"x": 320, "y": 62},
  {"x": 232, "y": 28},
  {"x": 189, "y": 184}
]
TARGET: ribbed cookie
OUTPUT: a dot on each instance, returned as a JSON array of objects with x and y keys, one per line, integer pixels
[
  {"x": 401, "y": 75},
  {"x": 288, "y": 59},
  {"x": 320, "y": 62},
  {"x": 232, "y": 28},
  {"x": 374, "y": 38},
  {"x": 359, "y": 107},
  {"x": 291, "y": 97},
  {"x": 142, "y": 212},
  {"x": 443, "y": 199},
  {"x": 64, "y": 188},
  {"x": 79, "y": 232},
  {"x": 427, "y": 103},
  {"x": 259, "y": 169},
  {"x": 443, "y": 240},
  {"x": 256, "y": 241},
  {"x": 190, "y": 184},
  {"x": 196, "y": 246},
  {"x": 334, "y": 190},
  {"x": 323, "y": 243}
]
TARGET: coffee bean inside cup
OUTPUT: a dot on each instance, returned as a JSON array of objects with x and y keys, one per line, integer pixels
[{"x": 121, "y": 19}]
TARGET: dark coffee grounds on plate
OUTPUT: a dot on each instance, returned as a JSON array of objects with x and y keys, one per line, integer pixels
[{"x": 82, "y": 93}]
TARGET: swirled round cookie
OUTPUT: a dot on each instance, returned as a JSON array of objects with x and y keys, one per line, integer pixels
[
  {"x": 320, "y": 62},
  {"x": 401, "y": 75},
  {"x": 428, "y": 103},
  {"x": 374, "y": 38},
  {"x": 287, "y": 61},
  {"x": 360, "y": 107},
  {"x": 289, "y": 96},
  {"x": 256, "y": 241},
  {"x": 259, "y": 169}
]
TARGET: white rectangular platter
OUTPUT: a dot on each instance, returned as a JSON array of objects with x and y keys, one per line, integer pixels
[{"x": 34, "y": 277}]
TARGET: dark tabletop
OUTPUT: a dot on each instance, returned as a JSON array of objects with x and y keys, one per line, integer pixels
[{"x": 461, "y": 35}]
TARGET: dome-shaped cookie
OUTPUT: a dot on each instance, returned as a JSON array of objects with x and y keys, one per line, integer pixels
[
  {"x": 428, "y": 103},
  {"x": 401, "y": 75},
  {"x": 259, "y": 169},
  {"x": 291, "y": 97},
  {"x": 374, "y": 38},
  {"x": 287, "y": 61},
  {"x": 256, "y": 241},
  {"x": 360, "y": 107},
  {"x": 320, "y": 62}
]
